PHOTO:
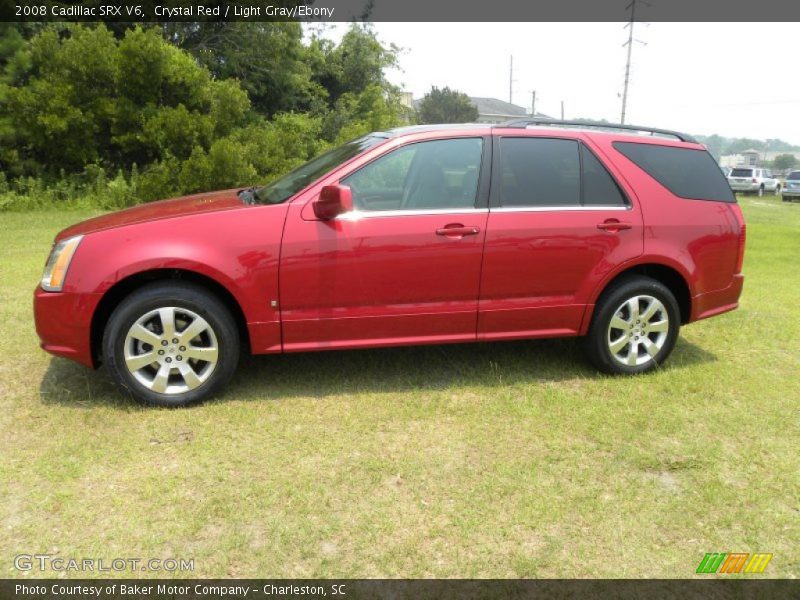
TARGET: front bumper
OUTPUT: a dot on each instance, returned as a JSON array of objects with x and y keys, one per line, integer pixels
[{"x": 64, "y": 323}]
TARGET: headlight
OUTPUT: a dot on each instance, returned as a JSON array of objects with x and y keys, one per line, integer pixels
[{"x": 55, "y": 271}]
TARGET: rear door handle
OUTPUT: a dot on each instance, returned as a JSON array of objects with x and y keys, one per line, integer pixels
[
  {"x": 457, "y": 230},
  {"x": 613, "y": 225}
]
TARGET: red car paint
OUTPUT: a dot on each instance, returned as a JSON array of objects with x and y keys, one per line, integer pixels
[{"x": 305, "y": 284}]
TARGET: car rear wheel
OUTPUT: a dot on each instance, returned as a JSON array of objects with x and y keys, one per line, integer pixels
[
  {"x": 761, "y": 191},
  {"x": 634, "y": 327},
  {"x": 778, "y": 190},
  {"x": 171, "y": 344}
]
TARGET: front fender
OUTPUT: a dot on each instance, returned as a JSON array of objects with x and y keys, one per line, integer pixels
[{"x": 238, "y": 249}]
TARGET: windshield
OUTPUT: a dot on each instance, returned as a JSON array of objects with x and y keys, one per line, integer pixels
[
  {"x": 742, "y": 173},
  {"x": 287, "y": 186}
]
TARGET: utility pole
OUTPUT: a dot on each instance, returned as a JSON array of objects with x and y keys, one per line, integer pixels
[
  {"x": 533, "y": 103},
  {"x": 511, "y": 81},
  {"x": 629, "y": 44},
  {"x": 562, "y": 110},
  {"x": 632, "y": 6}
]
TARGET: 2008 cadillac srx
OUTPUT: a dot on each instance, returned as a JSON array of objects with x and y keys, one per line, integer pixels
[{"x": 419, "y": 235}]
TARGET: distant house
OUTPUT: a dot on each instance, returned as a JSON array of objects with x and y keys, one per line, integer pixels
[
  {"x": 746, "y": 158},
  {"x": 492, "y": 110}
]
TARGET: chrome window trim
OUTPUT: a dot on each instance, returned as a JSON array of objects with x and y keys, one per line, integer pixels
[
  {"x": 596, "y": 207},
  {"x": 356, "y": 215}
]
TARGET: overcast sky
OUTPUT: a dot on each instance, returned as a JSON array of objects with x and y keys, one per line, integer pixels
[{"x": 734, "y": 79}]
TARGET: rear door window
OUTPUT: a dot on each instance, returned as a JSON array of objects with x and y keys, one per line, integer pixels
[
  {"x": 539, "y": 172},
  {"x": 742, "y": 173},
  {"x": 686, "y": 172}
]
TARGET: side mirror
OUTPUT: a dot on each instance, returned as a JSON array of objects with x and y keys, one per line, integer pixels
[{"x": 333, "y": 201}]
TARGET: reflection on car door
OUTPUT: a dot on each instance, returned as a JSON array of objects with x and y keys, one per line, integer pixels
[
  {"x": 558, "y": 223},
  {"x": 404, "y": 267}
]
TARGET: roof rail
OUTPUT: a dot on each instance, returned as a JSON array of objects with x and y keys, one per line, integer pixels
[{"x": 522, "y": 123}]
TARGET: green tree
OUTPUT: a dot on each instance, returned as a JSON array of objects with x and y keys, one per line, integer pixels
[
  {"x": 446, "y": 106},
  {"x": 88, "y": 97},
  {"x": 129, "y": 113},
  {"x": 357, "y": 63},
  {"x": 714, "y": 144},
  {"x": 268, "y": 59},
  {"x": 737, "y": 145},
  {"x": 784, "y": 162}
]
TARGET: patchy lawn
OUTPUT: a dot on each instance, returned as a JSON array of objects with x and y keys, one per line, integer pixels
[{"x": 487, "y": 460}]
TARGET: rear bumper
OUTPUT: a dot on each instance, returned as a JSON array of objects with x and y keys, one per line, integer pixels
[
  {"x": 64, "y": 323},
  {"x": 793, "y": 192},
  {"x": 719, "y": 301}
]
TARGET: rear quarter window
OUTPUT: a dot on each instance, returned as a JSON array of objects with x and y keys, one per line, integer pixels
[{"x": 686, "y": 172}]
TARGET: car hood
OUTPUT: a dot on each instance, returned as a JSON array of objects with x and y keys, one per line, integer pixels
[{"x": 153, "y": 211}]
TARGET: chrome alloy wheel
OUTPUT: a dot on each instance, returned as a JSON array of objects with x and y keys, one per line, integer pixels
[
  {"x": 171, "y": 350},
  {"x": 638, "y": 330}
]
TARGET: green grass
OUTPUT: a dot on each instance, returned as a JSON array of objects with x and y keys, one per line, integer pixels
[{"x": 486, "y": 460}]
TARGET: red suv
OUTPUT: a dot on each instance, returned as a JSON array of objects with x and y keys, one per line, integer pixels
[{"x": 419, "y": 235}]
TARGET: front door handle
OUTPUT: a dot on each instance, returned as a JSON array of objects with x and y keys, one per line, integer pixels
[
  {"x": 457, "y": 230},
  {"x": 613, "y": 225}
]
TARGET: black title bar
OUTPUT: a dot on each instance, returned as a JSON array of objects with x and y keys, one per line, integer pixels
[
  {"x": 399, "y": 10},
  {"x": 717, "y": 588}
]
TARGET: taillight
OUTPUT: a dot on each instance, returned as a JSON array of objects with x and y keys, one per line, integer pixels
[
  {"x": 755, "y": 180},
  {"x": 742, "y": 237}
]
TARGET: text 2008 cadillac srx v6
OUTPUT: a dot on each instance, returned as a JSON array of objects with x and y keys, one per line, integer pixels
[{"x": 419, "y": 235}]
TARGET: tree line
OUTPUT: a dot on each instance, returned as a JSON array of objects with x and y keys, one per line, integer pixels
[{"x": 122, "y": 114}]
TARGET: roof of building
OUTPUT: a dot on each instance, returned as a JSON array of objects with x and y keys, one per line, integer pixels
[{"x": 493, "y": 106}]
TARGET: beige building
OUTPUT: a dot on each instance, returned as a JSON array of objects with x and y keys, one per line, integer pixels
[
  {"x": 753, "y": 158},
  {"x": 746, "y": 158}
]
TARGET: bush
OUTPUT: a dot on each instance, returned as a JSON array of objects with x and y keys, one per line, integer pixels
[{"x": 82, "y": 105}]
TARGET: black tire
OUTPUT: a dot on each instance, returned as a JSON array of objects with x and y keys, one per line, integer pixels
[
  {"x": 777, "y": 191},
  {"x": 760, "y": 191},
  {"x": 183, "y": 296},
  {"x": 598, "y": 340}
]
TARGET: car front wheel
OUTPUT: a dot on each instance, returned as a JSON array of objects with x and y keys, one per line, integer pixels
[
  {"x": 634, "y": 328},
  {"x": 171, "y": 344}
]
